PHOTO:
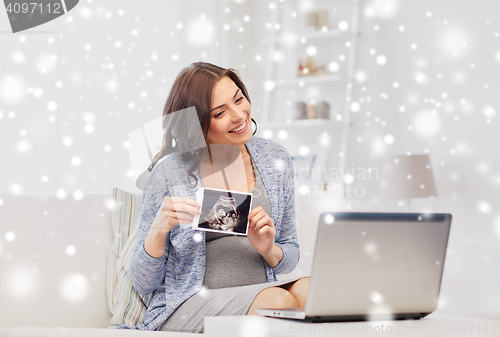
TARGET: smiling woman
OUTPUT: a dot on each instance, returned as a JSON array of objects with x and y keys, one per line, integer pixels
[
  {"x": 193, "y": 275},
  {"x": 219, "y": 111}
]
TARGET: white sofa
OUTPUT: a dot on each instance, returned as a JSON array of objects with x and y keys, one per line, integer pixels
[{"x": 53, "y": 266}]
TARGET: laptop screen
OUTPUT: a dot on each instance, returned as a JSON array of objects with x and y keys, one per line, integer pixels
[{"x": 377, "y": 263}]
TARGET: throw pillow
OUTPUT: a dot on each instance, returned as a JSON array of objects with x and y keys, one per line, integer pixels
[{"x": 125, "y": 305}]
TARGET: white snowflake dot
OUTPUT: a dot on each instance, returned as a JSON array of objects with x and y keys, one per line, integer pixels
[
  {"x": 389, "y": 139},
  {"x": 267, "y": 134},
  {"x": 348, "y": 179},
  {"x": 329, "y": 219},
  {"x": 381, "y": 60},
  {"x": 282, "y": 134},
  {"x": 355, "y": 106},
  {"x": 37, "y": 92},
  {"x": 343, "y": 26},
  {"x": 52, "y": 105},
  {"x": 78, "y": 195},
  {"x": 197, "y": 237},
  {"x": 76, "y": 161},
  {"x": 311, "y": 50},
  {"x": 74, "y": 287},
  {"x": 16, "y": 188},
  {"x": 10, "y": 236},
  {"x": 71, "y": 250},
  {"x": 23, "y": 146},
  {"x": 67, "y": 141},
  {"x": 203, "y": 291},
  {"x": 61, "y": 193},
  {"x": 89, "y": 128},
  {"x": 269, "y": 85},
  {"x": 279, "y": 164},
  {"x": 333, "y": 67},
  {"x": 304, "y": 150},
  {"x": 483, "y": 207}
]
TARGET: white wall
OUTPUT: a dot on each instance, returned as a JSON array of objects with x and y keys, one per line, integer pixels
[
  {"x": 446, "y": 63},
  {"x": 115, "y": 74}
]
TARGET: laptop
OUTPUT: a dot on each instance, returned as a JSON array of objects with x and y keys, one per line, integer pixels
[{"x": 374, "y": 266}]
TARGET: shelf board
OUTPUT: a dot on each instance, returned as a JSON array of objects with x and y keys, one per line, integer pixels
[
  {"x": 301, "y": 81},
  {"x": 308, "y": 35}
]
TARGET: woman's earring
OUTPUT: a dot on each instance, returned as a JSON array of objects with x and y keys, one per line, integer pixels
[{"x": 253, "y": 120}]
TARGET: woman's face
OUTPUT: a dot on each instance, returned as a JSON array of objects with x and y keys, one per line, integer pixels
[{"x": 230, "y": 112}]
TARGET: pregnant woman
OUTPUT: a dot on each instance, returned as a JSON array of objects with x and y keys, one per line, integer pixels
[{"x": 194, "y": 274}]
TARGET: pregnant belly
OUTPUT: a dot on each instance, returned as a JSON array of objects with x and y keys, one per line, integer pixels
[{"x": 232, "y": 261}]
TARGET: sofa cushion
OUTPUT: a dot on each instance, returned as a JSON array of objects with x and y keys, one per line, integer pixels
[
  {"x": 471, "y": 280},
  {"x": 125, "y": 304},
  {"x": 53, "y": 261}
]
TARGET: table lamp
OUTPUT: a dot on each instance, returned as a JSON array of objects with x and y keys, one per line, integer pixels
[{"x": 407, "y": 177}]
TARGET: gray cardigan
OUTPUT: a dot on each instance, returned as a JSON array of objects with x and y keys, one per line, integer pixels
[{"x": 178, "y": 275}]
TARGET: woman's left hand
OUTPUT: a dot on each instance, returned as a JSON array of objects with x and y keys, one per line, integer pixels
[{"x": 261, "y": 231}]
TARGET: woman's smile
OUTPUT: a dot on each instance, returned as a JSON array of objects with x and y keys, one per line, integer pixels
[{"x": 240, "y": 129}]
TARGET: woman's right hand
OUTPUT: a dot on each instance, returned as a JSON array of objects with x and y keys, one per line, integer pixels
[{"x": 173, "y": 211}]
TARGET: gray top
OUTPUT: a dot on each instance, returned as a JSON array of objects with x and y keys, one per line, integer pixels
[{"x": 233, "y": 255}]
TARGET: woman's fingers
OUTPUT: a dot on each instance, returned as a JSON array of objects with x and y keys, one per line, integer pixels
[
  {"x": 180, "y": 204},
  {"x": 256, "y": 218},
  {"x": 176, "y": 210},
  {"x": 260, "y": 219},
  {"x": 182, "y": 217},
  {"x": 255, "y": 211},
  {"x": 186, "y": 201},
  {"x": 265, "y": 221},
  {"x": 184, "y": 208},
  {"x": 267, "y": 229}
]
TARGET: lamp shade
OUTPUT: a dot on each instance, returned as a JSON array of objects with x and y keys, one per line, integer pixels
[{"x": 406, "y": 177}]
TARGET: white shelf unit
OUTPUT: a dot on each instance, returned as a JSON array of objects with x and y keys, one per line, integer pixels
[
  {"x": 301, "y": 123},
  {"x": 301, "y": 81},
  {"x": 290, "y": 42},
  {"x": 310, "y": 35}
]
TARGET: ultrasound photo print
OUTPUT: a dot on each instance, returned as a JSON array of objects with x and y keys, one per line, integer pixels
[{"x": 223, "y": 211}]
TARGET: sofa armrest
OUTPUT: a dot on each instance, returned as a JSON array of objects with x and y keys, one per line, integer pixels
[{"x": 86, "y": 332}]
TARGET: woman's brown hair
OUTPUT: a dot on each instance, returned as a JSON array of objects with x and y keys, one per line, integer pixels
[{"x": 192, "y": 87}]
